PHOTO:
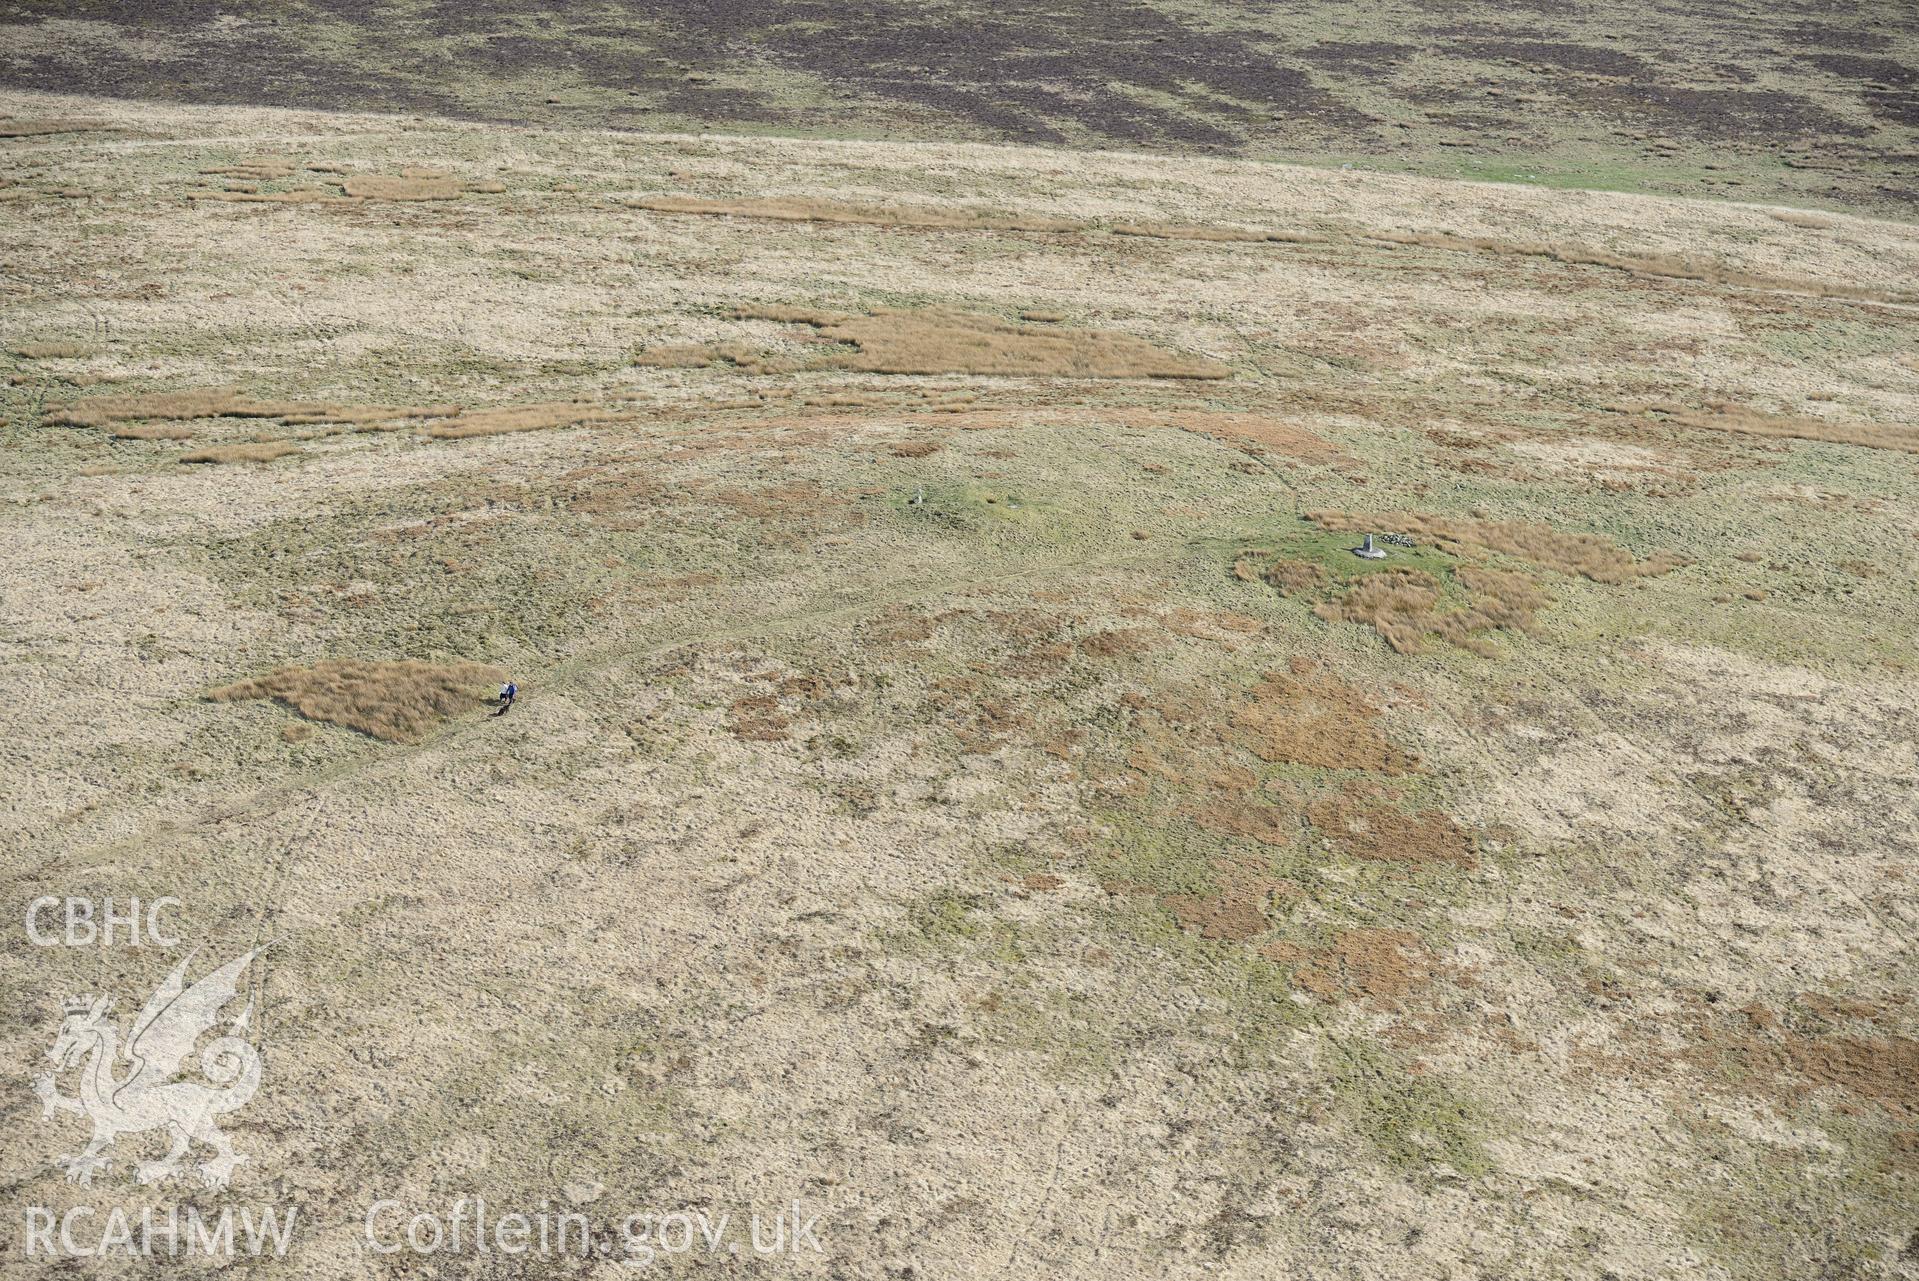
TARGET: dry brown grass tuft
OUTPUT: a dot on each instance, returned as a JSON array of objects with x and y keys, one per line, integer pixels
[
  {"x": 1361, "y": 825},
  {"x": 414, "y": 184},
  {"x": 366, "y": 417},
  {"x": 1252, "y": 433},
  {"x": 1659, "y": 265},
  {"x": 892, "y": 341},
  {"x": 227, "y": 402},
  {"x": 1311, "y": 717},
  {"x": 400, "y": 702},
  {"x": 757, "y": 718},
  {"x": 49, "y": 124},
  {"x": 1724, "y": 416},
  {"x": 797, "y": 209},
  {"x": 693, "y": 355},
  {"x": 252, "y": 451},
  {"x": 53, "y": 350},
  {"x": 1399, "y": 604},
  {"x": 1237, "y": 910},
  {"x": 1590, "y": 555},
  {"x": 1289, "y": 577},
  {"x": 1381, "y": 966},
  {"x": 200, "y": 402},
  {"x": 1191, "y": 231},
  {"x": 1799, "y": 218},
  {"x": 295, "y": 196},
  {"x": 1402, "y": 605},
  {"x": 152, "y": 431},
  {"x": 253, "y": 170},
  {"x": 506, "y": 419}
]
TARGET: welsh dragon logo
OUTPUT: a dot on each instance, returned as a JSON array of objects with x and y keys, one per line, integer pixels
[{"x": 149, "y": 1096}]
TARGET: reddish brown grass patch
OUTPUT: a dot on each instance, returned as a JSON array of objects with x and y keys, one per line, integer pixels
[
  {"x": 1289, "y": 577},
  {"x": 934, "y": 341},
  {"x": 1312, "y": 717},
  {"x": 1402, "y": 605},
  {"x": 1593, "y": 556},
  {"x": 1363, "y": 826},
  {"x": 1237, "y": 910},
  {"x": 1380, "y": 966}
]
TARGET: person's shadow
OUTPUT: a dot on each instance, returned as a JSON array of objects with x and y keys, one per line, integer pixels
[{"x": 504, "y": 709}]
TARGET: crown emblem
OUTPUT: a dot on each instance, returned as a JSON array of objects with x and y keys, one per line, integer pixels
[{"x": 77, "y": 1004}]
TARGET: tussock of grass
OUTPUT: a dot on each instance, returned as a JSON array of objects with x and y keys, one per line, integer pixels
[
  {"x": 367, "y": 417},
  {"x": 296, "y": 196},
  {"x": 1589, "y": 555},
  {"x": 1192, "y": 231},
  {"x": 152, "y": 431},
  {"x": 894, "y": 341},
  {"x": 381, "y": 187},
  {"x": 52, "y": 350},
  {"x": 794, "y": 209},
  {"x": 1403, "y": 606},
  {"x": 199, "y": 402},
  {"x": 252, "y": 170},
  {"x": 49, "y": 124},
  {"x": 400, "y": 702},
  {"x": 222, "y": 402},
  {"x": 1365, "y": 826},
  {"x": 444, "y": 422},
  {"x": 1665, "y": 266},
  {"x": 1287, "y": 576},
  {"x": 1725, "y": 416},
  {"x": 1309, "y": 716},
  {"x": 252, "y": 451},
  {"x": 1799, "y": 218},
  {"x": 516, "y": 418}
]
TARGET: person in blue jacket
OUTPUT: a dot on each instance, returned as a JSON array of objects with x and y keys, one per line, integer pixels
[{"x": 508, "y": 692}]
